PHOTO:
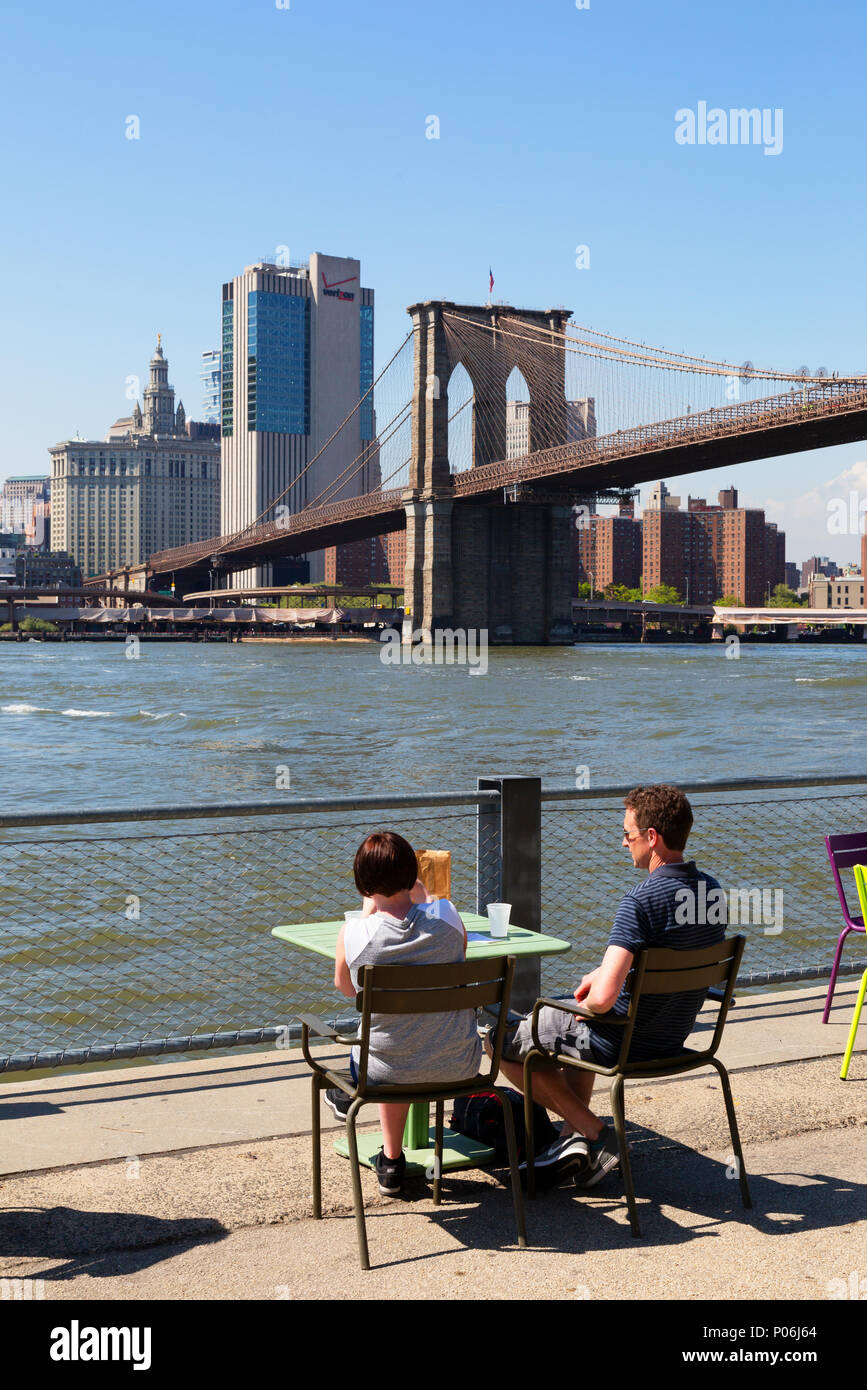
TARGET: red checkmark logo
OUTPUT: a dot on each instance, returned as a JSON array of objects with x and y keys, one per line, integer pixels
[{"x": 334, "y": 283}]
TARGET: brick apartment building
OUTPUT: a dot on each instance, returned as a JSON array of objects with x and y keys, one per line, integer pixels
[
  {"x": 709, "y": 552},
  {"x": 608, "y": 551}
]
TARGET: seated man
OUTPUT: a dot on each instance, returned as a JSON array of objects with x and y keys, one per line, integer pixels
[{"x": 665, "y": 909}]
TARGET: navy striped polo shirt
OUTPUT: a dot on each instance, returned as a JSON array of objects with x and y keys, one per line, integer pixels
[{"x": 670, "y": 909}]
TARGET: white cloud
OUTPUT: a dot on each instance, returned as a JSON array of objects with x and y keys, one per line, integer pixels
[{"x": 856, "y": 476}]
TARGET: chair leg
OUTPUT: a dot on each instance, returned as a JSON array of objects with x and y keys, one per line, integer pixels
[
  {"x": 619, "y": 1116},
  {"x": 529, "y": 1149},
  {"x": 357, "y": 1196},
  {"x": 850, "y": 1045},
  {"x": 733, "y": 1131},
  {"x": 439, "y": 1110},
  {"x": 829, "y": 998},
  {"x": 512, "y": 1144},
  {"x": 317, "y": 1150}
]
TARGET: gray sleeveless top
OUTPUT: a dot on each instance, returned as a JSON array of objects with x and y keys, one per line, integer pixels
[{"x": 409, "y": 1048}]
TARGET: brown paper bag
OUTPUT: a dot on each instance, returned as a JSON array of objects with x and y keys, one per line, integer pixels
[{"x": 435, "y": 871}]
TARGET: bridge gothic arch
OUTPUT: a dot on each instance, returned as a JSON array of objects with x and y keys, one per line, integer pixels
[{"x": 489, "y": 342}]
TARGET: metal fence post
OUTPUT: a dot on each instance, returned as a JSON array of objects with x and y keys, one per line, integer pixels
[
  {"x": 519, "y": 875},
  {"x": 489, "y": 854}
]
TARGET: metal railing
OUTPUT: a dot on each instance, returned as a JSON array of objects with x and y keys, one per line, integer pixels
[{"x": 139, "y": 932}]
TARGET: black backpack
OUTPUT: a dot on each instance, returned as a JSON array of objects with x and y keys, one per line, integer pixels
[{"x": 480, "y": 1117}]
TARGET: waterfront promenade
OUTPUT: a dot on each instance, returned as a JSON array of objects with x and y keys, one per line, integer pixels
[{"x": 190, "y": 1180}]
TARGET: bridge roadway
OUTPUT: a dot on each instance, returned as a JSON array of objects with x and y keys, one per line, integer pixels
[{"x": 813, "y": 417}]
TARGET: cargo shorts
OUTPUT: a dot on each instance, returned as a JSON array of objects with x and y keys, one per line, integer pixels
[{"x": 560, "y": 1033}]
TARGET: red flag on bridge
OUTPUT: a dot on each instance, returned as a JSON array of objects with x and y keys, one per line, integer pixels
[{"x": 491, "y": 278}]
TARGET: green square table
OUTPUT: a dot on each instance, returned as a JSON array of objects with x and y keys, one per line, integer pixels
[{"x": 459, "y": 1151}]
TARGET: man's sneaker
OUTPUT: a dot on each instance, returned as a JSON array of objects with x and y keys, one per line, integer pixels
[
  {"x": 566, "y": 1155},
  {"x": 389, "y": 1173},
  {"x": 604, "y": 1156},
  {"x": 337, "y": 1101}
]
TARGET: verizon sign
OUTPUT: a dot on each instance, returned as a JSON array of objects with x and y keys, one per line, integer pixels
[{"x": 334, "y": 289}]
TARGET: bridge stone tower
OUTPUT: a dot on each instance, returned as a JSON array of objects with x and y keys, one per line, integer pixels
[{"x": 501, "y": 563}]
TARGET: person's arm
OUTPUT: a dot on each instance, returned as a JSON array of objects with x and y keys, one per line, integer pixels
[
  {"x": 599, "y": 990},
  {"x": 342, "y": 977},
  {"x": 419, "y": 893}
]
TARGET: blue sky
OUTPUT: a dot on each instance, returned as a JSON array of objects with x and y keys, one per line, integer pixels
[{"x": 305, "y": 127}]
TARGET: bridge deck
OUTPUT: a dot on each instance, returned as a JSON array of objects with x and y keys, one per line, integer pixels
[{"x": 812, "y": 418}]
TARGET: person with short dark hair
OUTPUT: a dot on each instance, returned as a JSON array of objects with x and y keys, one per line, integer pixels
[
  {"x": 656, "y": 824},
  {"x": 402, "y": 924}
]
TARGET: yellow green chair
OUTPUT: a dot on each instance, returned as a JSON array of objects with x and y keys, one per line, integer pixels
[{"x": 861, "y": 883}]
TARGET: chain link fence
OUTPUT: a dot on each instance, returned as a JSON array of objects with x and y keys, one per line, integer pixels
[
  {"x": 766, "y": 849},
  {"x": 135, "y": 934},
  {"x": 120, "y": 940}
]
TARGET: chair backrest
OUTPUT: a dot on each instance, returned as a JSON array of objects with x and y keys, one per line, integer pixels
[
  {"x": 861, "y": 885},
  {"x": 844, "y": 852},
  {"x": 662, "y": 970},
  {"x": 434, "y": 989}
]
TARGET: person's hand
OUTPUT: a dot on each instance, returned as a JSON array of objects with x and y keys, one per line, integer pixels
[
  {"x": 419, "y": 893},
  {"x": 585, "y": 986}
]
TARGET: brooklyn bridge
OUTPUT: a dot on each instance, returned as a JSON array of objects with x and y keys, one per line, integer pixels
[{"x": 487, "y": 491}]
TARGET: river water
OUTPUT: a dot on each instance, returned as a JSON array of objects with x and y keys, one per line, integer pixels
[
  {"x": 128, "y": 931},
  {"x": 81, "y": 725}
]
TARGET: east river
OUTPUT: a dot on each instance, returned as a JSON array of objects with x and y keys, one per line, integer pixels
[
  {"x": 135, "y": 931},
  {"x": 82, "y": 726}
]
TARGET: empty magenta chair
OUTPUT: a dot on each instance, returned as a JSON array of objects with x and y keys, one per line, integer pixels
[{"x": 844, "y": 852}]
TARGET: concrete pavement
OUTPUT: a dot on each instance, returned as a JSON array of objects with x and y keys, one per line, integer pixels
[{"x": 191, "y": 1180}]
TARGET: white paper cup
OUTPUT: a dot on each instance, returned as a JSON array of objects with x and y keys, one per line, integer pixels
[{"x": 498, "y": 916}]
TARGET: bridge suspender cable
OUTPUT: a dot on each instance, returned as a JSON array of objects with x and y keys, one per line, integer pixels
[
  {"x": 228, "y": 541},
  {"x": 661, "y": 358}
]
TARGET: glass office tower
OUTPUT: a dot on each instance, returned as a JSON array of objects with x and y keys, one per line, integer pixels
[{"x": 297, "y": 354}]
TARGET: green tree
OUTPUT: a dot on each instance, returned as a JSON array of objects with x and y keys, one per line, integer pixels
[
  {"x": 663, "y": 593},
  {"x": 784, "y": 597},
  {"x": 620, "y": 591},
  {"x": 729, "y": 601},
  {"x": 30, "y": 624}
]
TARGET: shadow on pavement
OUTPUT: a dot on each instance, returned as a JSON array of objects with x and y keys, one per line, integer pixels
[
  {"x": 703, "y": 1191},
  {"x": 99, "y": 1243}
]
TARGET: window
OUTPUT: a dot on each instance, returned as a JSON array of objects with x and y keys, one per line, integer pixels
[
  {"x": 366, "y": 412},
  {"x": 278, "y": 363},
  {"x": 227, "y": 412}
]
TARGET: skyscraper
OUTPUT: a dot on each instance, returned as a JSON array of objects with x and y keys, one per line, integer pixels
[
  {"x": 17, "y": 499},
  {"x": 210, "y": 379},
  {"x": 580, "y": 424},
  {"x": 297, "y": 355},
  {"x": 152, "y": 483}
]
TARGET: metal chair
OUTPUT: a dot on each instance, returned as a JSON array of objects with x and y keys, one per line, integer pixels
[
  {"x": 657, "y": 970},
  {"x": 861, "y": 884},
  {"x": 413, "y": 989},
  {"x": 844, "y": 852}
]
